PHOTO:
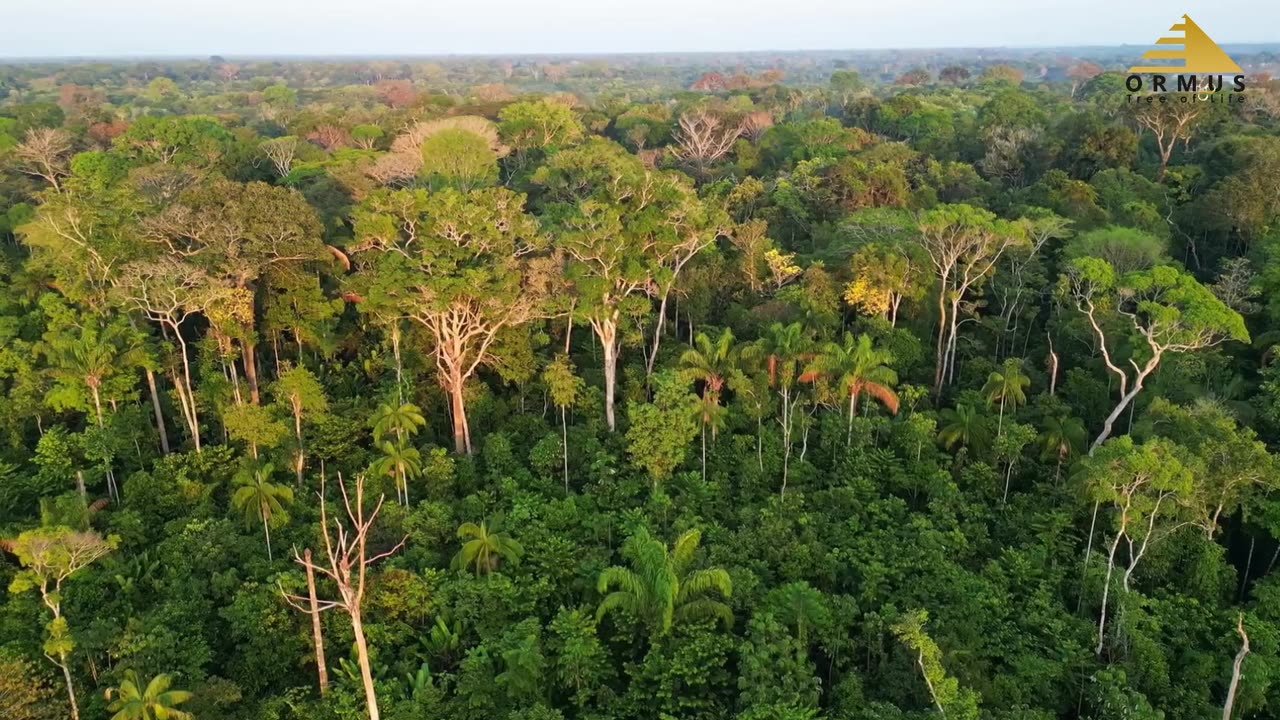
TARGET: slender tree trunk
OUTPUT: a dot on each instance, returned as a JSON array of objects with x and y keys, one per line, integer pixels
[
  {"x": 1106, "y": 592},
  {"x": 251, "y": 370},
  {"x": 193, "y": 414},
  {"x": 1248, "y": 568},
  {"x": 760, "y": 446},
  {"x": 1053, "y": 367},
  {"x": 366, "y": 671},
  {"x": 704, "y": 452},
  {"x": 568, "y": 329},
  {"x": 1235, "y": 670},
  {"x": 71, "y": 689},
  {"x": 266, "y": 530},
  {"x": 853, "y": 410},
  {"x": 1088, "y": 551},
  {"x": 395, "y": 350},
  {"x": 657, "y": 334},
  {"x": 1000, "y": 421},
  {"x": 158, "y": 410},
  {"x": 786, "y": 439},
  {"x": 97, "y": 401},
  {"x": 297, "y": 431},
  {"x": 564, "y": 434},
  {"x": 317, "y": 636},
  {"x": 939, "y": 371},
  {"x": 608, "y": 332}
]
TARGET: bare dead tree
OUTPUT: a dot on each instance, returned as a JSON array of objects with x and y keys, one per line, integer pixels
[
  {"x": 755, "y": 124},
  {"x": 45, "y": 153},
  {"x": 703, "y": 138},
  {"x": 330, "y": 137},
  {"x": 281, "y": 152},
  {"x": 346, "y": 563}
]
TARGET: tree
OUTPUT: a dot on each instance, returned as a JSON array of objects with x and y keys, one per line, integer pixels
[
  {"x": 459, "y": 159},
  {"x": 50, "y": 556},
  {"x": 467, "y": 266},
  {"x": 627, "y": 231},
  {"x": 400, "y": 461},
  {"x": 256, "y": 497},
  {"x": 366, "y": 136},
  {"x": 565, "y": 387},
  {"x": 485, "y": 546},
  {"x": 539, "y": 125},
  {"x": 856, "y": 366},
  {"x": 281, "y": 152},
  {"x": 661, "y": 588},
  {"x": 1233, "y": 467},
  {"x": 346, "y": 563},
  {"x": 883, "y": 276},
  {"x": 711, "y": 364},
  {"x": 952, "y": 701},
  {"x": 1170, "y": 123},
  {"x": 46, "y": 154},
  {"x": 963, "y": 244},
  {"x": 241, "y": 236},
  {"x": 1163, "y": 309},
  {"x": 1063, "y": 438},
  {"x": 402, "y": 421},
  {"x": 153, "y": 701},
  {"x": 703, "y": 138},
  {"x": 301, "y": 392},
  {"x": 170, "y": 292},
  {"x": 963, "y": 426},
  {"x": 1139, "y": 481},
  {"x": 786, "y": 350},
  {"x": 97, "y": 356},
  {"x": 1007, "y": 385},
  {"x": 661, "y": 431}
]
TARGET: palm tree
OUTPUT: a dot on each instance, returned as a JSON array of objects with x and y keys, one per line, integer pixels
[
  {"x": 257, "y": 497},
  {"x": 963, "y": 426},
  {"x": 1063, "y": 438},
  {"x": 1007, "y": 385},
  {"x": 155, "y": 701},
  {"x": 785, "y": 348},
  {"x": 712, "y": 415},
  {"x": 859, "y": 367},
  {"x": 659, "y": 588},
  {"x": 403, "y": 421},
  {"x": 711, "y": 363},
  {"x": 485, "y": 547},
  {"x": 400, "y": 461}
]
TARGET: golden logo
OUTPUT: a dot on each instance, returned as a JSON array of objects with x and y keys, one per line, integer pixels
[{"x": 1199, "y": 54}]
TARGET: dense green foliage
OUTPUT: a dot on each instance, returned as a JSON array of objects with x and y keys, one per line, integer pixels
[{"x": 563, "y": 391}]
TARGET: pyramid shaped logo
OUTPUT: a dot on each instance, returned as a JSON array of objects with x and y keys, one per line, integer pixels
[{"x": 1200, "y": 55}]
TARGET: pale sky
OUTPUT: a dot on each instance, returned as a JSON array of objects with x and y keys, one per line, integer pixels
[{"x": 48, "y": 28}]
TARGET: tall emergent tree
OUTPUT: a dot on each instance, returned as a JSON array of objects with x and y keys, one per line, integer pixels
[
  {"x": 1158, "y": 311},
  {"x": 628, "y": 233},
  {"x": 964, "y": 244},
  {"x": 467, "y": 266}
]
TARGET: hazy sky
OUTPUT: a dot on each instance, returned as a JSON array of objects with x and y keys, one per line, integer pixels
[{"x": 44, "y": 28}]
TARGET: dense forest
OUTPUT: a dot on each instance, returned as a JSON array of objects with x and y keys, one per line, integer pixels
[{"x": 876, "y": 387}]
